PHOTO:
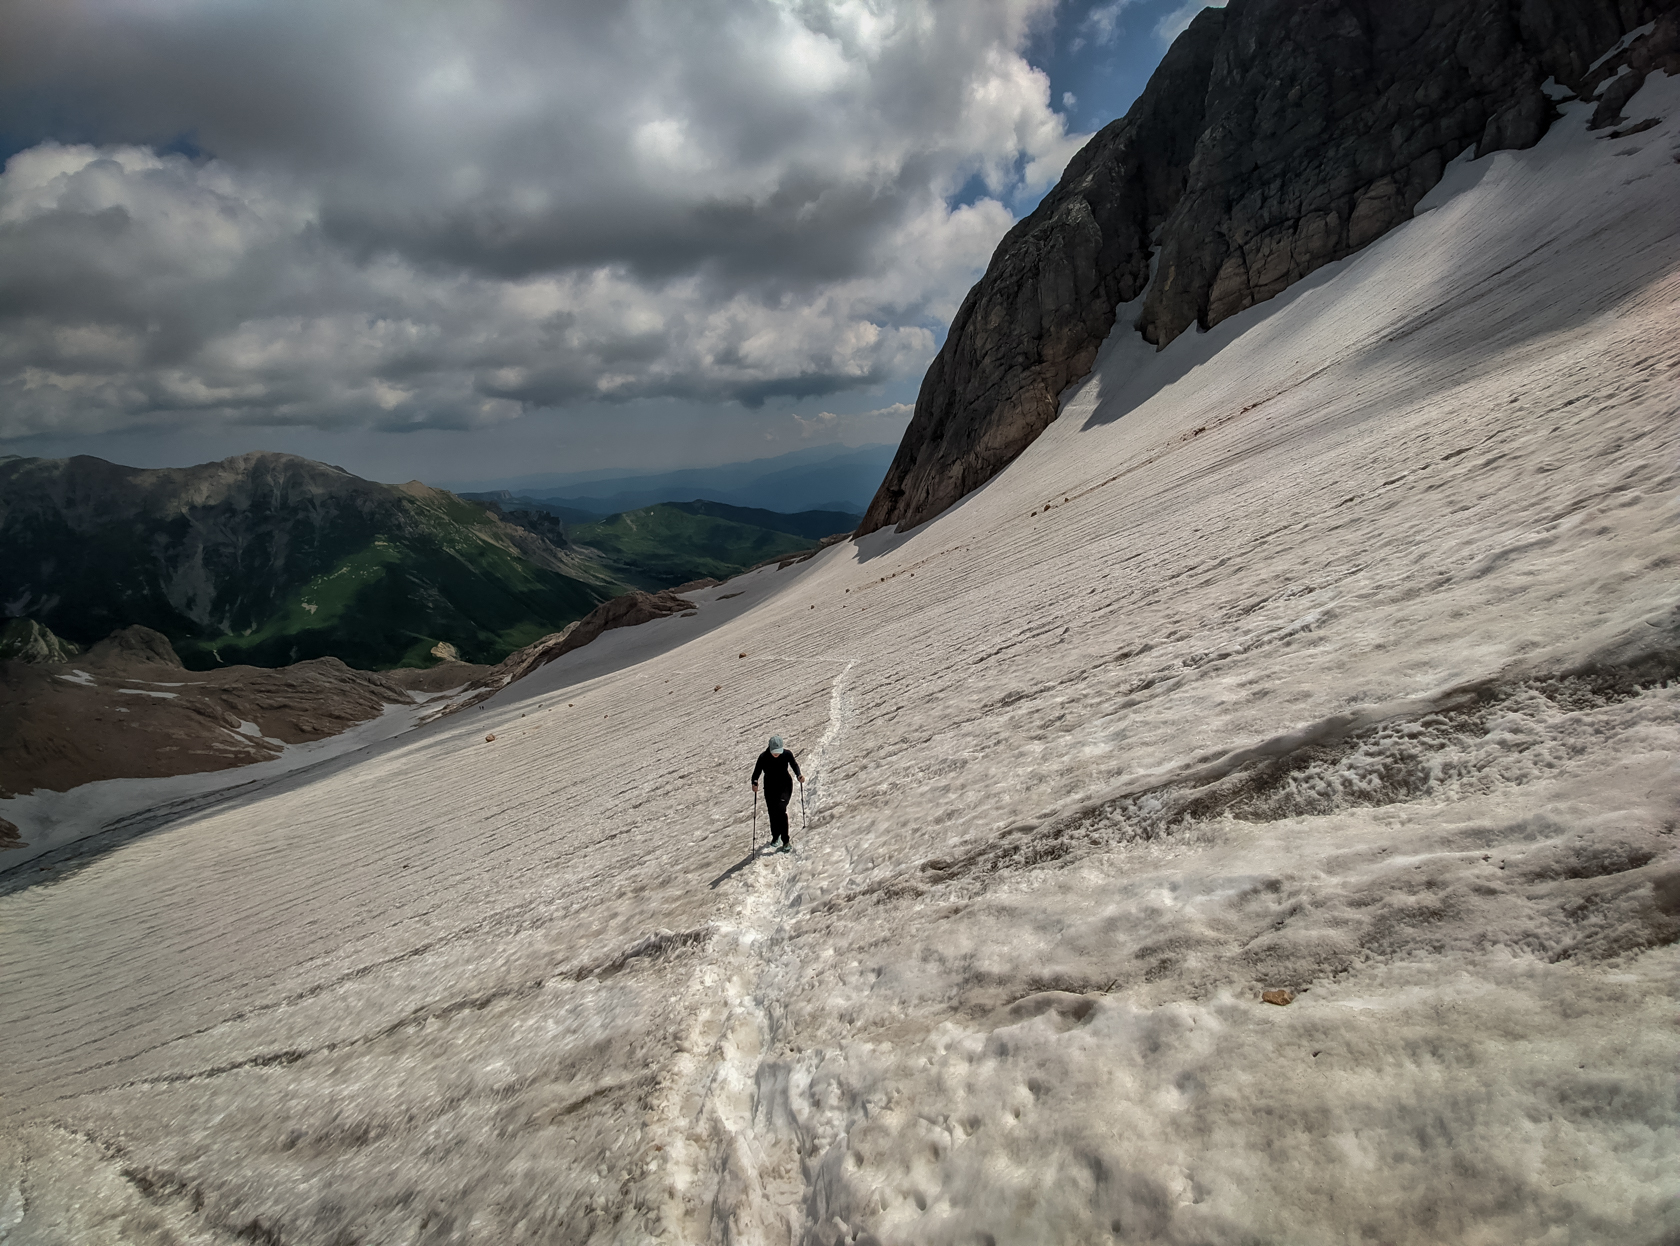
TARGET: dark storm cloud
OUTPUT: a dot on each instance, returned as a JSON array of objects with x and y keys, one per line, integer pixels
[{"x": 407, "y": 215}]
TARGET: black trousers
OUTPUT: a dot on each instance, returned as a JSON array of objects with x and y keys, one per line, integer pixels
[{"x": 775, "y": 804}]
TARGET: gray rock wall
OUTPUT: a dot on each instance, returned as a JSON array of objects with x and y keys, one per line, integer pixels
[{"x": 1275, "y": 137}]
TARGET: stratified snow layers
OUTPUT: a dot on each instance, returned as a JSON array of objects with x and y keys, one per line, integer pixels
[{"x": 1329, "y": 652}]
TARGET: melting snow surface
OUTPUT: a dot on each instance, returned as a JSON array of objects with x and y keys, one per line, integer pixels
[
  {"x": 112, "y": 809},
  {"x": 1252, "y": 673}
]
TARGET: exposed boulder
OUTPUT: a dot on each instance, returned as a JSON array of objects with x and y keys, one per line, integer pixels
[{"x": 1275, "y": 137}]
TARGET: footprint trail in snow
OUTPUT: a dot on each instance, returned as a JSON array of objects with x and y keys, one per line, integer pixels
[{"x": 729, "y": 1096}]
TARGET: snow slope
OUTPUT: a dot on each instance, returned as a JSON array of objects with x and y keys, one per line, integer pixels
[
  {"x": 1324, "y": 651},
  {"x": 110, "y": 810}
]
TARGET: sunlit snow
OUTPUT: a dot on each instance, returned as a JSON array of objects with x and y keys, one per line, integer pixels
[{"x": 1252, "y": 673}]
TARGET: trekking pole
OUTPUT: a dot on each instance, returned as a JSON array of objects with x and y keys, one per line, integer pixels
[
  {"x": 755, "y": 820},
  {"x": 804, "y": 815}
]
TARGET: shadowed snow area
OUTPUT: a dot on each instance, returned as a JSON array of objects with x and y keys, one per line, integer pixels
[{"x": 1331, "y": 651}]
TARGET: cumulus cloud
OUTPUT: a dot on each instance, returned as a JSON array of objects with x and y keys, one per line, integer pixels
[
  {"x": 1174, "y": 24},
  {"x": 1100, "y": 24},
  {"x": 382, "y": 215},
  {"x": 881, "y": 424}
]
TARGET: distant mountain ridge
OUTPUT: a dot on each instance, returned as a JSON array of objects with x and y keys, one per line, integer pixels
[
  {"x": 821, "y": 478},
  {"x": 270, "y": 559},
  {"x": 813, "y": 525},
  {"x": 672, "y": 543},
  {"x": 511, "y": 503}
]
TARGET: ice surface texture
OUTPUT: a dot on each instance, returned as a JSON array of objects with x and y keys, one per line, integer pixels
[{"x": 1324, "y": 651}]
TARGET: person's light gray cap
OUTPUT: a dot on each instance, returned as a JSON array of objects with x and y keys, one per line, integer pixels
[{"x": 775, "y": 744}]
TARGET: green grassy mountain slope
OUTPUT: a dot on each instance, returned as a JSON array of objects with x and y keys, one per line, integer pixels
[
  {"x": 268, "y": 559},
  {"x": 812, "y": 525},
  {"x": 671, "y": 543}
]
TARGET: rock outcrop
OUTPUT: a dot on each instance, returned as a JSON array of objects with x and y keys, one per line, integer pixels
[
  {"x": 551, "y": 528},
  {"x": 25, "y": 640},
  {"x": 1275, "y": 137},
  {"x": 1616, "y": 79},
  {"x": 625, "y": 611},
  {"x": 128, "y": 709}
]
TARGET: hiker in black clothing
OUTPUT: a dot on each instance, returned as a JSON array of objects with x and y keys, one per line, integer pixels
[{"x": 773, "y": 764}]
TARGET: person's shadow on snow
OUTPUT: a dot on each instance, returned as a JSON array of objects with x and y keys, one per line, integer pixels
[{"x": 737, "y": 867}]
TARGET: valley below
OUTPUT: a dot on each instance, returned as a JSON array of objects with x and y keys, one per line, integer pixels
[{"x": 400, "y": 580}]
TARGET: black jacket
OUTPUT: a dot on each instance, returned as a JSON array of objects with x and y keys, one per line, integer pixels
[{"x": 775, "y": 771}]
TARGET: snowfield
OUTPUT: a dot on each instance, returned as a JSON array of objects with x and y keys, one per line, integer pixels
[
  {"x": 110, "y": 811},
  {"x": 1330, "y": 652}
]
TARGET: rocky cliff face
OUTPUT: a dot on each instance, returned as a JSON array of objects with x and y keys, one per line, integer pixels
[
  {"x": 271, "y": 559},
  {"x": 1276, "y": 137}
]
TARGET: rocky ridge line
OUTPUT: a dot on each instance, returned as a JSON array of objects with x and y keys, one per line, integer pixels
[
  {"x": 1276, "y": 136},
  {"x": 626, "y": 610}
]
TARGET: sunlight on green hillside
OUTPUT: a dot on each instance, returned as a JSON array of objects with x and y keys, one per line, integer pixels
[{"x": 662, "y": 546}]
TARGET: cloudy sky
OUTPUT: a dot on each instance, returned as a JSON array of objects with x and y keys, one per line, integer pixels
[{"x": 472, "y": 239}]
